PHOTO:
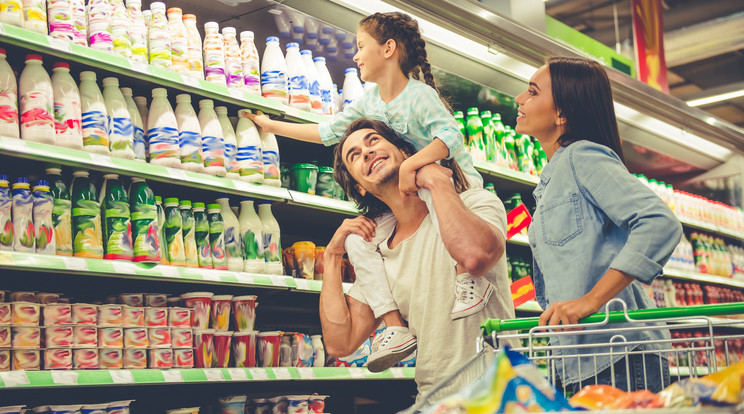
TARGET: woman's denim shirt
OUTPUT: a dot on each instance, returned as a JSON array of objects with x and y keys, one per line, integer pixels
[{"x": 592, "y": 215}]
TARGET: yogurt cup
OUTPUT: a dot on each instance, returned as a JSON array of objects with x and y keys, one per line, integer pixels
[
  {"x": 220, "y": 312},
  {"x": 136, "y": 338},
  {"x": 110, "y": 358},
  {"x": 160, "y": 357},
  {"x": 135, "y": 358},
  {"x": 279, "y": 404},
  {"x": 84, "y": 336},
  {"x": 179, "y": 317},
  {"x": 4, "y": 313},
  {"x": 156, "y": 300},
  {"x": 94, "y": 408},
  {"x": 58, "y": 337},
  {"x": 57, "y": 359},
  {"x": 5, "y": 337},
  {"x": 159, "y": 337},
  {"x": 326, "y": 185},
  {"x": 222, "y": 349},
  {"x": 132, "y": 316},
  {"x": 47, "y": 298},
  {"x": 57, "y": 314},
  {"x": 156, "y": 317},
  {"x": 5, "y": 359},
  {"x": 203, "y": 348},
  {"x": 84, "y": 314},
  {"x": 200, "y": 303},
  {"x": 316, "y": 403},
  {"x": 109, "y": 315},
  {"x": 305, "y": 177},
  {"x": 304, "y": 258},
  {"x": 119, "y": 407},
  {"x": 26, "y": 359},
  {"x": 132, "y": 299},
  {"x": 26, "y": 337},
  {"x": 244, "y": 312},
  {"x": 297, "y": 404},
  {"x": 182, "y": 337},
  {"x": 23, "y": 296},
  {"x": 234, "y": 404},
  {"x": 110, "y": 337},
  {"x": 85, "y": 358},
  {"x": 267, "y": 348},
  {"x": 244, "y": 349},
  {"x": 25, "y": 313},
  {"x": 261, "y": 406},
  {"x": 183, "y": 357}
]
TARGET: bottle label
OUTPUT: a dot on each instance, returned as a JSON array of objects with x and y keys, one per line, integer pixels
[
  {"x": 121, "y": 134},
  {"x": 252, "y": 246},
  {"x": 118, "y": 231},
  {"x": 35, "y": 15},
  {"x": 9, "y": 107},
  {"x": 189, "y": 239},
  {"x": 231, "y": 158},
  {"x": 95, "y": 128},
  {"x": 23, "y": 224},
  {"x": 233, "y": 243},
  {"x": 43, "y": 224},
  {"x": 159, "y": 39},
  {"x": 214, "y": 151},
  {"x": 250, "y": 159},
  {"x": 39, "y": 111},
  {"x": 274, "y": 85},
  {"x": 101, "y": 40},
  {"x": 272, "y": 252},
  {"x": 214, "y": 59},
  {"x": 62, "y": 222},
  {"x": 271, "y": 164},
  {"x": 190, "y": 143},
  {"x": 139, "y": 146},
  {"x": 86, "y": 228},
  {"x": 65, "y": 120},
  {"x": 145, "y": 233},
  {"x": 298, "y": 91},
  {"x": 203, "y": 247},
  {"x": 164, "y": 143},
  {"x": 217, "y": 241},
  {"x": 327, "y": 100},
  {"x": 6, "y": 221}
]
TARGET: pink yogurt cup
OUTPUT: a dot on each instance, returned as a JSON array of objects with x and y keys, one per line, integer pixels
[
  {"x": 84, "y": 314},
  {"x": 182, "y": 337},
  {"x": 84, "y": 336},
  {"x": 57, "y": 358},
  {"x": 268, "y": 345},
  {"x": 4, "y": 313},
  {"x": 203, "y": 348},
  {"x": 222, "y": 349},
  {"x": 110, "y": 358},
  {"x": 135, "y": 358},
  {"x": 26, "y": 359},
  {"x": 200, "y": 303},
  {"x": 25, "y": 313},
  {"x": 156, "y": 317},
  {"x": 109, "y": 315},
  {"x": 58, "y": 337},
  {"x": 244, "y": 312},
  {"x": 110, "y": 337},
  {"x": 57, "y": 314},
  {"x": 316, "y": 403},
  {"x": 244, "y": 349},
  {"x": 156, "y": 300},
  {"x": 5, "y": 337},
  {"x": 132, "y": 316},
  {"x": 159, "y": 337},
  {"x": 220, "y": 313},
  {"x": 160, "y": 357},
  {"x": 4, "y": 359},
  {"x": 179, "y": 317},
  {"x": 132, "y": 299},
  {"x": 183, "y": 357},
  {"x": 135, "y": 338},
  {"x": 85, "y": 359},
  {"x": 26, "y": 337}
]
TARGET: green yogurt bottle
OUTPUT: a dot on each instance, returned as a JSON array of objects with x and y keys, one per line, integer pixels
[
  {"x": 174, "y": 233},
  {"x": 87, "y": 238},
  {"x": 201, "y": 236},
  {"x": 61, "y": 212},
  {"x": 305, "y": 177},
  {"x": 189, "y": 233},
  {"x": 117, "y": 226},
  {"x": 326, "y": 185},
  {"x": 161, "y": 229},
  {"x": 144, "y": 216},
  {"x": 217, "y": 237}
]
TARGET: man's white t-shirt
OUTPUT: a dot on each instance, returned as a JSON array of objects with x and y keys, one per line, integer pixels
[{"x": 422, "y": 275}]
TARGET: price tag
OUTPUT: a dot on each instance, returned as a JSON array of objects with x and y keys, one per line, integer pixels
[
  {"x": 177, "y": 174},
  {"x": 237, "y": 94},
  {"x": 122, "y": 377},
  {"x": 65, "y": 377},
  {"x": 60, "y": 44},
  {"x": 169, "y": 271},
  {"x": 14, "y": 378},
  {"x": 126, "y": 268},
  {"x": 214, "y": 375},
  {"x": 282, "y": 373},
  {"x": 302, "y": 284},
  {"x": 237, "y": 374},
  {"x": 140, "y": 67},
  {"x": 191, "y": 81},
  {"x": 15, "y": 144},
  {"x": 172, "y": 376},
  {"x": 243, "y": 278},
  {"x": 356, "y": 373},
  {"x": 101, "y": 160},
  {"x": 397, "y": 372},
  {"x": 76, "y": 263},
  {"x": 277, "y": 280},
  {"x": 306, "y": 373},
  {"x": 259, "y": 374}
]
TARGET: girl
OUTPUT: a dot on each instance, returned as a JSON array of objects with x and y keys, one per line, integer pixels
[
  {"x": 597, "y": 231},
  {"x": 391, "y": 55}
]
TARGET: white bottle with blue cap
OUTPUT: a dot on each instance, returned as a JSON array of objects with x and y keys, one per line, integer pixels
[
  {"x": 299, "y": 96},
  {"x": 352, "y": 87},
  {"x": 326, "y": 86},
  {"x": 313, "y": 83},
  {"x": 274, "y": 72}
]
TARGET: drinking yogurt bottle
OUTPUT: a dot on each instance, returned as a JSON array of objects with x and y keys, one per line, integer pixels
[
  {"x": 313, "y": 82},
  {"x": 214, "y": 54},
  {"x": 35, "y": 16},
  {"x": 174, "y": 233},
  {"x": 120, "y": 23},
  {"x": 12, "y": 12},
  {"x": 270, "y": 157},
  {"x": 250, "y": 156},
  {"x": 194, "y": 50},
  {"x": 299, "y": 96},
  {"x": 251, "y": 66},
  {"x": 86, "y": 218},
  {"x": 99, "y": 25},
  {"x": 8, "y": 98},
  {"x": 213, "y": 144},
  {"x": 139, "y": 145},
  {"x": 217, "y": 237},
  {"x": 145, "y": 230},
  {"x": 251, "y": 231},
  {"x": 121, "y": 130},
  {"x": 6, "y": 219},
  {"x": 42, "y": 216},
  {"x": 36, "y": 102},
  {"x": 162, "y": 131},
  {"x": 179, "y": 41},
  {"x": 79, "y": 23},
  {"x": 94, "y": 115},
  {"x": 189, "y": 134},
  {"x": 272, "y": 243},
  {"x": 67, "y": 110},
  {"x": 159, "y": 39},
  {"x": 233, "y": 62},
  {"x": 353, "y": 89},
  {"x": 161, "y": 227},
  {"x": 117, "y": 227},
  {"x": 201, "y": 233},
  {"x": 231, "y": 235},
  {"x": 274, "y": 72},
  {"x": 137, "y": 31},
  {"x": 24, "y": 236},
  {"x": 231, "y": 144},
  {"x": 189, "y": 233}
]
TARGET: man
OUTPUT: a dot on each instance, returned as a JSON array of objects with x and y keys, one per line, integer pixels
[{"x": 421, "y": 264}]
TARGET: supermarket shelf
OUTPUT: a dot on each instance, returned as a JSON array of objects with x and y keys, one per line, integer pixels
[
  {"x": 530, "y": 306},
  {"x": 701, "y": 225},
  {"x": 297, "y": 115},
  {"x": 700, "y": 277},
  {"x": 517, "y": 177},
  {"x": 675, "y": 372},
  {"x": 520, "y": 239},
  {"x": 46, "y": 379},
  {"x": 323, "y": 203},
  {"x": 114, "y": 268}
]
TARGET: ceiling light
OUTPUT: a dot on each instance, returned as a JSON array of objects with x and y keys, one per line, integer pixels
[{"x": 716, "y": 98}]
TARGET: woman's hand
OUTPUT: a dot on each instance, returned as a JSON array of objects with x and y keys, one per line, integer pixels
[
  {"x": 361, "y": 225},
  {"x": 569, "y": 312}
]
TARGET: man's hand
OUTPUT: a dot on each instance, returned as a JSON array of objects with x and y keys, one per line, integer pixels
[
  {"x": 407, "y": 177},
  {"x": 262, "y": 121},
  {"x": 569, "y": 312},
  {"x": 361, "y": 225},
  {"x": 432, "y": 175}
]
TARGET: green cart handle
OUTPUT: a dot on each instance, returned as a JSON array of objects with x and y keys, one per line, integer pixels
[{"x": 490, "y": 326}]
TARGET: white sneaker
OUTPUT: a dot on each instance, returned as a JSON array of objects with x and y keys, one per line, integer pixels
[
  {"x": 389, "y": 347},
  {"x": 471, "y": 295}
]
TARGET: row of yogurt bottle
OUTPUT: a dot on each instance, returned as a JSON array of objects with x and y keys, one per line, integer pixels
[
  {"x": 55, "y": 111},
  {"x": 135, "y": 225}
]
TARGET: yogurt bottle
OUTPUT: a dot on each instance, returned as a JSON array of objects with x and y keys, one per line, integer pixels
[
  {"x": 138, "y": 142},
  {"x": 87, "y": 239},
  {"x": 313, "y": 83},
  {"x": 158, "y": 36},
  {"x": 37, "y": 102},
  {"x": 162, "y": 131},
  {"x": 179, "y": 42},
  {"x": 352, "y": 87},
  {"x": 6, "y": 219},
  {"x": 250, "y": 157},
  {"x": 271, "y": 236},
  {"x": 120, "y": 29},
  {"x": 194, "y": 49},
  {"x": 67, "y": 113},
  {"x": 35, "y": 16},
  {"x": 251, "y": 232},
  {"x": 117, "y": 226},
  {"x": 189, "y": 233},
  {"x": 233, "y": 61},
  {"x": 270, "y": 156},
  {"x": 43, "y": 224},
  {"x": 61, "y": 212},
  {"x": 326, "y": 86},
  {"x": 217, "y": 237},
  {"x": 233, "y": 249},
  {"x": 79, "y": 23},
  {"x": 249, "y": 60},
  {"x": 121, "y": 130},
  {"x": 174, "y": 233},
  {"x": 231, "y": 143},
  {"x": 137, "y": 31},
  {"x": 8, "y": 99},
  {"x": 189, "y": 134},
  {"x": 141, "y": 103},
  {"x": 60, "y": 20},
  {"x": 94, "y": 115},
  {"x": 213, "y": 141},
  {"x": 145, "y": 230},
  {"x": 274, "y": 72},
  {"x": 201, "y": 234},
  {"x": 99, "y": 25},
  {"x": 24, "y": 238},
  {"x": 214, "y": 54},
  {"x": 299, "y": 96},
  {"x": 11, "y": 12},
  {"x": 161, "y": 228}
]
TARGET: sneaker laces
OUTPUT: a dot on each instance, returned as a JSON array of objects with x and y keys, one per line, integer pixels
[{"x": 464, "y": 290}]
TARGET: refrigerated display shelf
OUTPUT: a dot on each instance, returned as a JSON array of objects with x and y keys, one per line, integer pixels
[
  {"x": 518, "y": 177},
  {"x": 46, "y": 379},
  {"x": 520, "y": 239},
  {"x": 701, "y": 225},
  {"x": 700, "y": 277}
]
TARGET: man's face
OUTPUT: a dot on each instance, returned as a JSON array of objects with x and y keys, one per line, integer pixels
[{"x": 371, "y": 159}]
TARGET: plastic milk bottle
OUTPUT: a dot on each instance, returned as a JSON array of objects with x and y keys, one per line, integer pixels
[
  {"x": 231, "y": 143},
  {"x": 139, "y": 145},
  {"x": 60, "y": 20},
  {"x": 62, "y": 211},
  {"x": 174, "y": 233},
  {"x": 231, "y": 236},
  {"x": 117, "y": 226},
  {"x": 217, "y": 237},
  {"x": 37, "y": 102},
  {"x": 24, "y": 239},
  {"x": 201, "y": 233},
  {"x": 11, "y": 12},
  {"x": 95, "y": 115},
  {"x": 158, "y": 36},
  {"x": 189, "y": 134},
  {"x": 233, "y": 61},
  {"x": 274, "y": 72},
  {"x": 213, "y": 141},
  {"x": 99, "y": 25},
  {"x": 121, "y": 130},
  {"x": 194, "y": 50},
  {"x": 8, "y": 99},
  {"x": 272, "y": 243},
  {"x": 251, "y": 231},
  {"x": 86, "y": 218},
  {"x": 43, "y": 225},
  {"x": 141, "y": 102},
  {"x": 189, "y": 233},
  {"x": 137, "y": 31},
  {"x": 270, "y": 156},
  {"x": 250, "y": 157},
  {"x": 145, "y": 230},
  {"x": 313, "y": 83},
  {"x": 35, "y": 16},
  {"x": 352, "y": 87},
  {"x": 214, "y": 54},
  {"x": 299, "y": 96},
  {"x": 251, "y": 66},
  {"x": 179, "y": 42},
  {"x": 6, "y": 219},
  {"x": 68, "y": 121},
  {"x": 162, "y": 131}
]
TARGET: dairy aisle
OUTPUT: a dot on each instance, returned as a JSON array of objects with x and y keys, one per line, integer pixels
[{"x": 188, "y": 245}]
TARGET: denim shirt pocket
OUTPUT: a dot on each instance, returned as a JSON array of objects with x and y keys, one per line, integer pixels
[{"x": 562, "y": 220}]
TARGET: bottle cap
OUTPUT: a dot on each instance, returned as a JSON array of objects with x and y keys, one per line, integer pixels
[
  {"x": 111, "y": 176},
  {"x": 206, "y": 103},
  {"x": 291, "y": 45},
  {"x": 247, "y": 34},
  {"x": 184, "y": 203},
  {"x": 301, "y": 166},
  {"x": 272, "y": 39},
  {"x": 157, "y": 5},
  {"x": 159, "y": 92},
  {"x": 306, "y": 52},
  {"x": 496, "y": 117},
  {"x": 158, "y": 199},
  {"x": 247, "y": 199},
  {"x": 42, "y": 183},
  {"x": 4, "y": 177},
  {"x": 33, "y": 57},
  {"x": 126, "y": 91},
  {"x": 21, "y": 180},
  {"x": 137, "y": 180},
  {"x": 485, "y": 114},
  {"x": 319, "y": 59},
  {"x": 64, "y": 65},
  {"x": 2, "y": 51},
  {"x": 213, "y": 207},
  {"x": 350, "y": 70},
  {"x": 198, "y": 205},
  {"x": 171, "y": 200},
  {"x": 473, "y": 111},
  {"x": 188, "y": 17},
  {"x": 175, "y": 10},
  {"x": 211, "y": 26},
  {"x": 228, "y": 30},
  {"x": 111, "y": 81},
  {"x": 183, "y": 97}
]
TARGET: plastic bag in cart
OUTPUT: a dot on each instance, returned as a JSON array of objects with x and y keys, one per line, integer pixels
[{"x": 720, "y": 388}]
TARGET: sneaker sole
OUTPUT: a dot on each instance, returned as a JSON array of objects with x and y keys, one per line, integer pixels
[
  {"x": 390, "y": 357},
  {"x": 475, "y": 308}
]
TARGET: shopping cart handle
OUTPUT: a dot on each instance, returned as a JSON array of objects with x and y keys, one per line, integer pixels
[{"x": 490, "y": 326}]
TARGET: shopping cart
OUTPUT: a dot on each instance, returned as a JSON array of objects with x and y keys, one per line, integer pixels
[{"x": 693, "y": 350}]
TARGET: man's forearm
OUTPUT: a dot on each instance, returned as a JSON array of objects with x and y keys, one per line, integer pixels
[{"x": 335, "y": 318}]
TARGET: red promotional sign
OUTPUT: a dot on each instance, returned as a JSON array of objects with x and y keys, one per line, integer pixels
[
  {"x": 522, "y": 290},
  {"x": 516, "y": 220},
  {"x": 648, "y": 33}
]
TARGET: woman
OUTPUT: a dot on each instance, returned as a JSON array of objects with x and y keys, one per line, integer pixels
[{"x": 597, "y": 232}]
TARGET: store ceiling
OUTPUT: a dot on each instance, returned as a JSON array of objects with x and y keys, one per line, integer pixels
[{"x": 703, "y": 41}]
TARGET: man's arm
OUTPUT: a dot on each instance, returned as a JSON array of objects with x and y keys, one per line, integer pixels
[
  {"x": 346, "y": 322},
  {"x": 471, "y": 241}
]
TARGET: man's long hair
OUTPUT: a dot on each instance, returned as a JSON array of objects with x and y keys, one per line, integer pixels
[{"x": 368, "y": 204}]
